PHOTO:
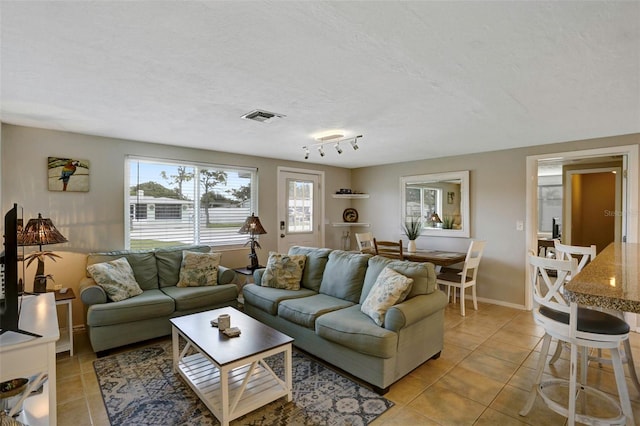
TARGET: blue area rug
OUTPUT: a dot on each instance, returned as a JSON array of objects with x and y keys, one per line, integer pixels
[{"x": 140, "y": 388}]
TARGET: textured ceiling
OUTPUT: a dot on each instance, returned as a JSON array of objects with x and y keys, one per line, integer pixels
[{"x": 417, "y": 79}]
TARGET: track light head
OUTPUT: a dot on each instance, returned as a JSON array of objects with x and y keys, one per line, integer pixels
[
  {"x": 306, "y": 153},
  {"x": 354, "y": 144},
  {"x": 321, "y": 151},
  {"x": 338, "y": 148}
]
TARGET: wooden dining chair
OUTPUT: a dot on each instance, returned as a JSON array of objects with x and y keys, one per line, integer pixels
[
  {"x": 466, "y": 277},
  {"x": 390, "y": 249},
  {"x": 365, "y": 242}
]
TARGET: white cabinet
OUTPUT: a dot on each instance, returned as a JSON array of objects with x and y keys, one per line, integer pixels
[{"x": 22, "y": 355}]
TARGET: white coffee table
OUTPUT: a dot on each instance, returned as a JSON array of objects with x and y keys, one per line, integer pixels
[{"x": 229, "y": 373}]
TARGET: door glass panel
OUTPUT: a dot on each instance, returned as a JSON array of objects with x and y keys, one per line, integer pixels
[{"x": 299, "y": 206}]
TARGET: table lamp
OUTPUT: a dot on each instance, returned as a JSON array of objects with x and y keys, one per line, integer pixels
[
  {"x": 253, "y": 227},
  {"x": 435, "y": 219},
  {"x": 39, "y": 232}
]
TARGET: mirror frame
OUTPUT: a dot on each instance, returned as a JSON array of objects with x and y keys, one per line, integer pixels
[{"x": 463, "y": 175}]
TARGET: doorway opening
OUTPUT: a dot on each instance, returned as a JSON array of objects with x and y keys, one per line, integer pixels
[{"x": 627, "y": 212}]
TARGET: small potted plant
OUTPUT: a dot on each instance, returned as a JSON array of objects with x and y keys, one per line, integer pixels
[
  {"x": 40, "y": 279},
  {"x": 413, "y": 229},
  {"x": 448, "y": 222}
]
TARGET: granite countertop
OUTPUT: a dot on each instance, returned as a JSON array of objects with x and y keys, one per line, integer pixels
[{"x": 611, "y": 280}]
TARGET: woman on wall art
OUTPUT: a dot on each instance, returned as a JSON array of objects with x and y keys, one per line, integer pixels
[{"x": 68, "y": 174}]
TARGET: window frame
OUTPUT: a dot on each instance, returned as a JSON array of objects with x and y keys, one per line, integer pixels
[{"x": 239, "y": 239}]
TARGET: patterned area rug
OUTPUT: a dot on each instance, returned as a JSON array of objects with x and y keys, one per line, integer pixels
[{"x": 140, "y": 388}]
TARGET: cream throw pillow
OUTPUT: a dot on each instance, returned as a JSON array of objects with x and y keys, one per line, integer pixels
[
  {"x": 284, "y": 271},
  {"x": 199, "y": 269},
  {"x": 390, "y": 288},
  {"x": 116, "y": 278}
]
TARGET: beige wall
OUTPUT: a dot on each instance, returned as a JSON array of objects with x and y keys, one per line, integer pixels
[
  {"x": 94, "y": 221},
  {"x": 497, "y": 202}
]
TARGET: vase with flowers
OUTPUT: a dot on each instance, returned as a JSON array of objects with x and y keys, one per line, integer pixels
[{"x": 413, "y": 229}]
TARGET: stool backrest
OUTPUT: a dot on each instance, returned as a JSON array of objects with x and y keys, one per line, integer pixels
[
  {"x": 583, "y": 253},
  {"x": 547, "y": 288}
]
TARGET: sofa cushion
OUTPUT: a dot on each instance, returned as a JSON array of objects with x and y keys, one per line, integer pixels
[
  {"x": 390, "y": 288},
  {"x": 168, "y": 261},
  {"x": 267, "y": 299},
  {"x": 116, "y": 278},
  {"x": 148, "y": 304},
  {"x": 351, "y": 328},
  {"x": 199, "y": 269},
  {"x": 142, "y": 262},
  {"x": 317, "y": 259},
  {"x": 422, "y": 273},
  {"x": 187, "y": 299},
  {"x": 304, "y": 311},
  {"x": 283, "y": 271},
  {"x": 375, "y": 265},
  {"x": 344, "y": 275}
]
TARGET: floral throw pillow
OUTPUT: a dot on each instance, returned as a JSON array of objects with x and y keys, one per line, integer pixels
[
  {"x": 284, "y": 271},
  {"x": 116, "y": 278},
  {"x": 199, "y": 269},
  {"x": 390, "y": 288}
]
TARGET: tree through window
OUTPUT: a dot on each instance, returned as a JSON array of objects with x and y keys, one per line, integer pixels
[{"x": 175, "y": 203}]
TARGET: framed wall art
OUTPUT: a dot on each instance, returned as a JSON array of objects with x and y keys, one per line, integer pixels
[{"x": 68, "y": 174}]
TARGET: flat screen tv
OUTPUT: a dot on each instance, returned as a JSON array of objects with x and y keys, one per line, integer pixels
[{"x": 10, "y": 300}]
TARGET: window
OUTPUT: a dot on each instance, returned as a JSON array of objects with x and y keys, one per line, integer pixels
[
  {"x": 171, "y": 203},
  {"x": 300, "y": 202},
  {"x": 423, "y": 202},
  {"x": 138, "y": 211}
]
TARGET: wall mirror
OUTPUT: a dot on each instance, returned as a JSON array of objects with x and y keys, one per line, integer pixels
[{"x": 441, "y": 200}]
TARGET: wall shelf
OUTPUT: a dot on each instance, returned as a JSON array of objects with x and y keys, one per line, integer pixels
[
  {"x": 350, "y": 196},
  {"x": 336, "y": 224}
]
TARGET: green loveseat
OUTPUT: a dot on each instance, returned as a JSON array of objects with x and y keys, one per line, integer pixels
[
  {"x": 146, "y": 316},
  {"x": 325, "y": 319}
]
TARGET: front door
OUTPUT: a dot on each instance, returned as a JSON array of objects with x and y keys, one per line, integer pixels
[{"x": 299, "y": 209}]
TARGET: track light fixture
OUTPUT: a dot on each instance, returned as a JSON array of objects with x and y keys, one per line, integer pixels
[{"x": 336, "y": 144}]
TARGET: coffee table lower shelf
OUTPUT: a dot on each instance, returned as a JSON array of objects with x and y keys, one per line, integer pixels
[{"x": 248, "y": 387}]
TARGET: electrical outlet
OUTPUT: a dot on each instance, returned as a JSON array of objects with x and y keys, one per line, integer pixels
[{"x": 519, "y": 225}]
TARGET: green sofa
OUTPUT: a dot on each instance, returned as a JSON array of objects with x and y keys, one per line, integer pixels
[
  {"x": 146, "y": 316},
  {"x": 325, "y": 319}
]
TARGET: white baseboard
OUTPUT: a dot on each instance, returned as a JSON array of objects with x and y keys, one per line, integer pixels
[{"x": 497, "y": 302}]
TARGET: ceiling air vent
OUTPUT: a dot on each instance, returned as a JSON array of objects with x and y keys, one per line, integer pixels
[{"x": 262, "y": 116}]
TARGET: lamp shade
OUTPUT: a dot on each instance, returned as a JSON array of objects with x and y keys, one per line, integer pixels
[
  {"x": 435, "y": 218},
  {"x": 40, "y": 232},
  {"x": 252, "y": 226}
]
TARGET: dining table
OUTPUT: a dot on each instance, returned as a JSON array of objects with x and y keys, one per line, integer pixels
[
  {"x": 611, "y": 281},
  {"x": 437, "y": 257}
]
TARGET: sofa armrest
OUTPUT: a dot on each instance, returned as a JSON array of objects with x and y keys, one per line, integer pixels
[
  {"x": 91, "y": 293},
  {"x": 412, "y": 310},
  {"x": 226, "y": 275},
  {"x": 257, "y": 276}
]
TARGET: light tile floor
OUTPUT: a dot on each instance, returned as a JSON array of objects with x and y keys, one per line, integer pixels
[{"x": 482, "y": 377}]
